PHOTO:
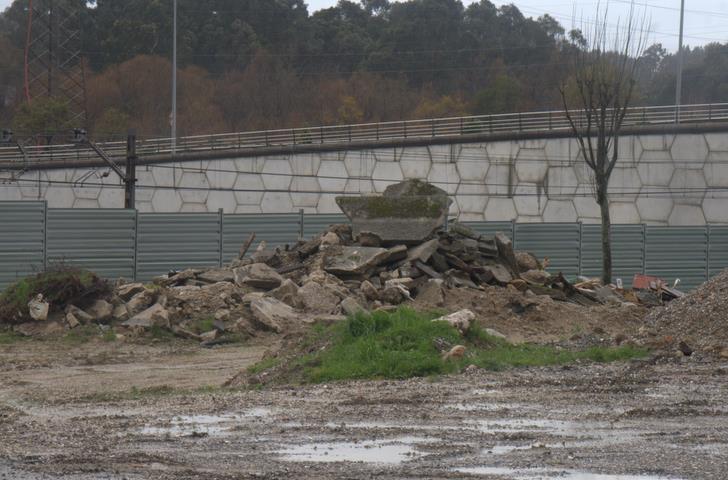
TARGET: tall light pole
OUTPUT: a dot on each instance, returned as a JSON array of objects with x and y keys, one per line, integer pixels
[
  {"x": 174, "y": 77},
  {"x": 678, "y": 86}
]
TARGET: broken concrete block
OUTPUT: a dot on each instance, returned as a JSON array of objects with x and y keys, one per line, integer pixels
[
  {"x": 288, "y": 294},
  {"x": 270, "y": 312},
  {"x": 72, "y": 321},
  {"x": 369, "y": 290},
  {"x": 154, "y": 316},
  {"x": 101, "y": 310},
  {"x": 407, "y": 212},
  {"x": 330, "y": 238},
  {"x": 354, "y": 261},
  {"x": 38, "y": 308},
  {"x": 423, "y": 251},
  {"x": 505, "y": 251},
  {"x": 79, "y": 314},
  {"x": 140, "y": 302},
  {"x": 460, "y": 319},
  {"x": 120, "y": 313},
  {"x": 351, "y": 306},
  {"x": 258, "y": 275},
  {"x": 127, "y": 291},
  {"x": 536, "y": 276},
  {"x": 431, "y": 293},
  {"x": 318, "y": 298},
  {"x": 217, "y": 275}
]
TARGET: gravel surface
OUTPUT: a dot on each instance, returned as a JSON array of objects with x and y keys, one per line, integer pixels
[{"x": 637, "y": 420}]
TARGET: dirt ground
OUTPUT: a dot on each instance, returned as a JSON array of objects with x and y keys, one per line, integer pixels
[{"x": 121, "y": 411}]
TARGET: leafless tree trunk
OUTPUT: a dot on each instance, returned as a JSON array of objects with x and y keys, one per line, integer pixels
[{"x": 598, "y": 100}]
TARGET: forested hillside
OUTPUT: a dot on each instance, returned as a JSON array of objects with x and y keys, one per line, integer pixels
[{"x": 255, "y": 64}]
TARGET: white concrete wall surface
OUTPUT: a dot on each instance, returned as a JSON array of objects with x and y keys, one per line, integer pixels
[{"x": 660, "y": 179}]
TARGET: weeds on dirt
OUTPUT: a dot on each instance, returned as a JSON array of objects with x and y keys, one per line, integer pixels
[
  {"x": 59, "y": 284},
  {"x": 203, "y": 325},
  {"x": 402, "y": 344},
  {"x": 7, "y": 338},
  {"x": 81, "y": 334}
]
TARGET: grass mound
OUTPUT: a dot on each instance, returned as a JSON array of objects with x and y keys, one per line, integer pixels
[
  {"x": 404, "y": 344},
  {"x": 59, "y": 285}
]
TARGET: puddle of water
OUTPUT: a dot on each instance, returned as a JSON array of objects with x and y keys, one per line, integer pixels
[
  {"x": 392, "y": 451},
  {"x": 545, "y": 473},
  {"x": 187, "y": 425}
]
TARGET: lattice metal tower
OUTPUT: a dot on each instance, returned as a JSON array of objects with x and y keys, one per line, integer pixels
[{"x": 53, "y": 63}]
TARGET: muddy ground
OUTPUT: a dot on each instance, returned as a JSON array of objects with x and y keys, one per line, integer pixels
[{"x": 121, "y": 411}]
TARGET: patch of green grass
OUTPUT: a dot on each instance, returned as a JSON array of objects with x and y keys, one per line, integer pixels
[
  {"x": 264, "y": 364},
  {"x": 80, "y": 334},
  {"x": 160, "y": 333},
  {"x": 109, "y": 336},
  {"x": 202, "y": 325},
  {"x": 401, "y": 344},
  {"x": 159, "y": 391},
  {"x": 7, "y": 338}
]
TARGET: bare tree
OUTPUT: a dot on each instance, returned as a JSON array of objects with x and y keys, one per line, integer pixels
[{"x": 603, "y": 85}]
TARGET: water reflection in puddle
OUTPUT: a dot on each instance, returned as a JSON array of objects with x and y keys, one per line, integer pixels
[
  {"x": 391, "y": 451},
  {"x": 190, "y": 425},
  {"x": 545, "y": 473}
]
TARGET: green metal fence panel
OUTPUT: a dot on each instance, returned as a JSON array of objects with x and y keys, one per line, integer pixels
[
  {"x": 560, "y": 242},
  {"x": 277, "y": 229},
  {"x": 176, "y": 241},
  {"x": 313, "y": 224},
  {"x": 490, "y": 228},
  {"x": 22, "y": 240},
  {"x": 100, "y": 240},
  {"x": 718, "y": 251},
  {"x": 677, "y": 252},
  {"x": 628, "y": 247}
]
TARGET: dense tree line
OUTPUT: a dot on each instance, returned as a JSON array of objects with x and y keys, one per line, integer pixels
[{"x": 254, "y": 64}]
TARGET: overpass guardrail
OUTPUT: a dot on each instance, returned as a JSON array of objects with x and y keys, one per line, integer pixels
[{"x": 544, "y": 121}]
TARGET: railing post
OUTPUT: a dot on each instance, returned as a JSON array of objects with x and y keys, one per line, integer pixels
[
  {"x": 266, "y": 139},
  {"x": 404, "y": 125},
  {"x": 222, "y": 237},
  {"x": 550, "y": 125},
  {"x": 293, "y": 133},
  {"x": 322, "y": 135},
  {"x": 349, "y": 133},
  {"x": 520, "y": 124},
  {"x": 462, "y": 132},
  {"x": 377, "y": 131},
  {"x": 300, "y": 223},
  {"x": 710, "y": 111}
]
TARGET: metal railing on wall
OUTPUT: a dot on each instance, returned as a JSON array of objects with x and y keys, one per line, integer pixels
[
  {"x": 364, "y": 132},
  {"x": 126, "y": 243}
]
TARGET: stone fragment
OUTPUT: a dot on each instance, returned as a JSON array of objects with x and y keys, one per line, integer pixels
[
  {"x": 127, "y": 291},
  {"x": 140, "y": 301},
  {"x": 407, "y": 212},
  {"x": 369, "y": 290},
  {"x": 505, "y": 251},
  {"x": 527, "y": 261},
  {"x": 288, "y": 294},
  {"x": 38, "y": 308},
  {"x": 394, "y": 295},
  {"x": 318, "y": 298},
  {"x": 351, "y": 306},
  {"x": 72, "y": 321},
  {"x": 120, "y": 313},
  {"x": 101, "y": 310},
  {"x": 80, "y": 315},
  {"x": 154, "y": 316},
  {"x": 369, "y": 239},
  {"x": 460, "y": 319},
  {"x": 431, "y": 293},
  {"x": 536, "y": 276},
  {"x": 269, "y": 313},
  {"x": 423, "y": 251},
  {"x": 495, "y": 333},
  {"x": 222, "y": 315},
  {"x": 208, "y": 336},
  {"x": 217, "y": 275},
  {"x": 330, "y": 238},
  {"x": 499, "y": 273},
  {"x": 258, "y": 275},
  {"x": 458, "y": 351},
  {"x": 355, "y": 261}
]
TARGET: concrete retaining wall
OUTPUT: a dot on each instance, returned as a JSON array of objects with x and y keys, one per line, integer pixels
[{"x": 673, "y": 179}]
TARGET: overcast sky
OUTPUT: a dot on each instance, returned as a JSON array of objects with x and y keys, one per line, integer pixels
[{"x": 705, "y": 20}]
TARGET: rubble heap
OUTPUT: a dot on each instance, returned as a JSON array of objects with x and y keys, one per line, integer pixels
[{"x": 699, "y": 318}]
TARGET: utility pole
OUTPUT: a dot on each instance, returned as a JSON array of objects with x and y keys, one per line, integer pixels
[
  {"x": 174, "y": 77},
  {"x": 130, "y": 177},
  {"x": 678, "y": 86}
]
